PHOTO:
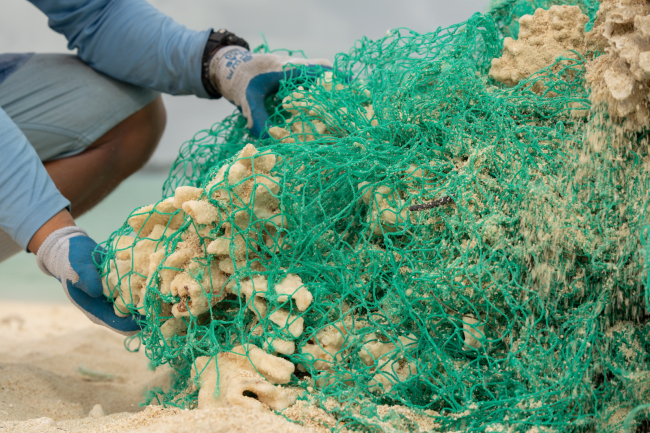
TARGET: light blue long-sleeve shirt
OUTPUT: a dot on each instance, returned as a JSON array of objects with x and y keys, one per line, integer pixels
[{"x": 128, "y": 40}]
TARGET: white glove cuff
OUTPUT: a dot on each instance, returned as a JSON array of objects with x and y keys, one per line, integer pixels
[
  {"x": 222, "y": 67},
  {"x": 53, "y": 252}
]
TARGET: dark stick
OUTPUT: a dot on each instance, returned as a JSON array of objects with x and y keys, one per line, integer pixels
[{"x": 438, "y": 202}]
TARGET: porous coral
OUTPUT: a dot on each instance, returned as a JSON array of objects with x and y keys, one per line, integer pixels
[
  {"x": 621, "y": 77},
  {"x": 543, "y": 37},
  {"x": 225, "y": 380},
  {"x": 199, "y": 246},
  {"x": 392, "y": 365},
  {"x": 196, "y": 274}
]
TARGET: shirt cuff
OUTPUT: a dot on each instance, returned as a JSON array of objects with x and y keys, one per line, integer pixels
[{"x": 197, "y": 66}]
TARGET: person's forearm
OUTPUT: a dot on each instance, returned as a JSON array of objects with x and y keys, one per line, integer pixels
[
  {"x": 58, "y": 221},
  {"x": 28, "y": 197},
  {"x": 132, "y": 41}
]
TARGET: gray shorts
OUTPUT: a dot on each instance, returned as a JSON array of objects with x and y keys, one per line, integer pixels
[{"x": 63, "y": 106}]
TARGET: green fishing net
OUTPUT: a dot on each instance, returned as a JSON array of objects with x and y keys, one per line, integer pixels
[{"x": 410, "y": 234}]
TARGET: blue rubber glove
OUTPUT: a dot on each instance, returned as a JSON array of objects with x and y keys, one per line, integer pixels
[
  {"x": 247, "y": 79},
  {"x": 67, "y": 255}
]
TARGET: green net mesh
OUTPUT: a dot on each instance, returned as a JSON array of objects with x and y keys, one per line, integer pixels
[{"x": 411, "y": 234}]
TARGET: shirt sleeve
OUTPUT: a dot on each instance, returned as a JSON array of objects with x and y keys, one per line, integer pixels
[
  {"x": 29, "y": 197},
  {"x": 132, "y": 41}
]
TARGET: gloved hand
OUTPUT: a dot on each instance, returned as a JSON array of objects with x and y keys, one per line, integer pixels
[
  {"x": 247, "y": 79},
  {"x": 67, "y": 254}
]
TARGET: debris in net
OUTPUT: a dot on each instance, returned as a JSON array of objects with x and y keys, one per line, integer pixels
[{"x": 432, "y": 204}]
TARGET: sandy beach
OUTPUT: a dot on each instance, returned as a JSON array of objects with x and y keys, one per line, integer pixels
[{"x": 56, "y": 366}]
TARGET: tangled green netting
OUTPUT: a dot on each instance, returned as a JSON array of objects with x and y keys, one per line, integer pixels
[{"x": 522, "y": 302}]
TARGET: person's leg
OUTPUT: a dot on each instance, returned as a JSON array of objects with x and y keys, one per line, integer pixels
[
  {"x": 8, "y": 247},
  {"x": 90, "y": 130},
  {"x": 87, "y": 178}
]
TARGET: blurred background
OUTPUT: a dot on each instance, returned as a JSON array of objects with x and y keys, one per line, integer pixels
[{"x": 319, "y": 28}]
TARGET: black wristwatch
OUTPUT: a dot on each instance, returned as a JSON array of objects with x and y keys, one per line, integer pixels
[{"x": 218, "y": 39}]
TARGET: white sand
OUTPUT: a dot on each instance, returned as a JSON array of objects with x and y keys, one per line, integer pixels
[{"x": 55, "y": 365}]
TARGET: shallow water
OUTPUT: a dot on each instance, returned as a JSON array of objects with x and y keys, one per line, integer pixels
[{"x": 20, "y": 278}]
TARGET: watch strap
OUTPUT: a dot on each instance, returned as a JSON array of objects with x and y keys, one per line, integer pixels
[{"x": 218, "y": 39}]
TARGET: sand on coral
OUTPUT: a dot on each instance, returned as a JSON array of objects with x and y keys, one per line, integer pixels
[
  {"x": 543, "y": 37},
  {"x": 55, "y": 366}
]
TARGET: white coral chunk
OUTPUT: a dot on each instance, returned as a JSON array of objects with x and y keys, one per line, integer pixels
[
  {"x": 278, "y": 133},
  {"x": 280, "y": 346},
  {"x": 221, "y": 247},
  {"x": 388, "y": 212},
  {"x": 473, "y": 333},
  {"x": 184, "y": 194},
  {"x": 146, "y": 218},
  {"x": 175, "y": 261},
  {"x": 172, "y": 327},
  {"x": 145, "y": 247},
  {"x": 392, "y": 366},
  {"x": 293, "y": 286},
  {"x": 202, "y": 212},
  {"x": 223, "y": 380},
  {"x": 293, "y": 324},
  {"x": 543, "y": 37}
]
